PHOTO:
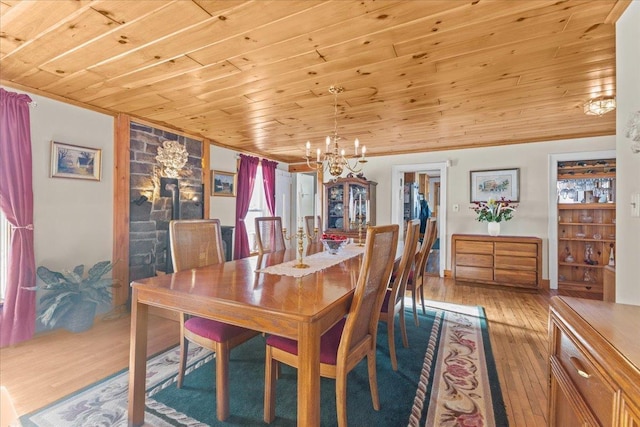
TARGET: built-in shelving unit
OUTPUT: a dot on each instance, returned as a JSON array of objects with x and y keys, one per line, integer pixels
[{"x": 586, "y": 223}]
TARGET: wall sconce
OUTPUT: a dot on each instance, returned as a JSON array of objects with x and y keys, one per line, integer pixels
[
  {"x": 599, "y": 106},
  {"x": 632, "y": 131}
]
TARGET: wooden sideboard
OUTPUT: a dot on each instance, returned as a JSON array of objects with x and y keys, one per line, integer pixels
[
  {"x": 501, "y": 260},
  {"x": 594, "y": 363},
  {"x": 609, "y": 283}
]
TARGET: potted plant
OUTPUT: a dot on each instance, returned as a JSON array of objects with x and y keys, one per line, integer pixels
[{"x": 73, "y": 296}]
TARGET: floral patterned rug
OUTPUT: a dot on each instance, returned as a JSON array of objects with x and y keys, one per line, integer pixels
[{"x": 447, "y": 377}]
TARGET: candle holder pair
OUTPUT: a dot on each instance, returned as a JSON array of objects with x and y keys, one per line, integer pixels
[
  {"x": 300, "y": 235},
  {"x": 361, "y": 226}
]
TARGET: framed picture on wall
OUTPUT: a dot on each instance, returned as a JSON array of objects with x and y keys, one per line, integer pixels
[
  {"x": 495, "y": 184},
  {"x": 223, "y": 184},
  {"x": 73, "y": 161}
]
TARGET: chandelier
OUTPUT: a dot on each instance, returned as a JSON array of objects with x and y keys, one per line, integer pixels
[
  {"x": 334, "y": 159},
  {"x": 599, "y": 106}
]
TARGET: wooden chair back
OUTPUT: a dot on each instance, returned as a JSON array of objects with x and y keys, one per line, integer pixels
[
  {"x": 399, "y": 286},
  {"x": 269, "y": 234},
  {"x": 195, "y": 243},
  {"x": 362, "y": 321},
  {"x": 310, "y": 222},
  {"x": 427, "y": 243}
]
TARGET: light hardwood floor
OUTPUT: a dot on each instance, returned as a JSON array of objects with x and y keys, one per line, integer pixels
[{"x": 58, "y": 363}]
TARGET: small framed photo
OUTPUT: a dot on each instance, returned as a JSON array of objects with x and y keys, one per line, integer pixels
[
  {"x": 495, "y": 184},
  {"x": 73, "y": 161},
  {"x": 223, "y": 184}
]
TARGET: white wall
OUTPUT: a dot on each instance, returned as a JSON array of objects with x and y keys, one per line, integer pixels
[
  {"x": 223, "y": 208},
  {"x": 531, "y": 218},
  {"x": 628, "y": 165},
  {"x": 73, "y": 218}
]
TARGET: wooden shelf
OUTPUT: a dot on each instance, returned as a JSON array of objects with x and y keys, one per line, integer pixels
[
  {"x": 587, "y": 206},
  {"x": 581, "y": 265},
  {"x": 580, "y": 239}
]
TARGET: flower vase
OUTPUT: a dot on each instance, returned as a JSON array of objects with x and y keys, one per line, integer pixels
[{"x": 493, "y": 228}]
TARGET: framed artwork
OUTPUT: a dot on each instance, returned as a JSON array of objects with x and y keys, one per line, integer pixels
[
  {"x": 223, "y": 184},
  {"x": 73, "y": 161},
  {"x": 495, "y": 184}
]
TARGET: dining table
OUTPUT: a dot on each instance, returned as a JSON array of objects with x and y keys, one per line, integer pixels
[{"x": 254, "y": 293}]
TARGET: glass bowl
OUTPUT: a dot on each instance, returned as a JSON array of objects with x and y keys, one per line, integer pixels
[{"x": 333, "y": 246}]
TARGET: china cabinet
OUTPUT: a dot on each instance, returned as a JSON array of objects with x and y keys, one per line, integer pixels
[
  {"x": 586, "y": 224},
  {"x": 349, "y": 202}
]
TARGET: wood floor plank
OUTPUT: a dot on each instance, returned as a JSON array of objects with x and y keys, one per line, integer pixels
[{"x": 55, "y": 364}]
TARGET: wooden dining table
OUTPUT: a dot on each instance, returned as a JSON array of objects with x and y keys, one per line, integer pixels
[{"x": 233, "y": 292}]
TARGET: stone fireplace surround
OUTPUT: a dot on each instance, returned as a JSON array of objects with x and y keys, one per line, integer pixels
[{"x": 149, "y": 218}]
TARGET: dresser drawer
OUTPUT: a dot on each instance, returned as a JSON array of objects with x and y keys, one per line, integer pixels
[
  {"x": 513, "y": 249},
  {"x": 517, "y": 263},
  {"x": 473, "y": 273},
  {"x": 475, "y": 260},
  {"x": 474, "y": 247},
  {"x": 516, "y": 277},
  {"x": 593, "y": 388}
]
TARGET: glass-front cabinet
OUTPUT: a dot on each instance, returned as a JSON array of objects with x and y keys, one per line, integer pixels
[
  {"x": 349, "y": 202},
  {"x": 586, "y": 224}
]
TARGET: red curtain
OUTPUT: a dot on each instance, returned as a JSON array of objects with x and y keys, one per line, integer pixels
[
  {"x": 246, "y": 179},
  {"x": 269, "y": 183},
  {"x": 17, "y": 320}
]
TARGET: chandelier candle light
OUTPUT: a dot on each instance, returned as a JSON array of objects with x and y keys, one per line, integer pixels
[{"x": 334, "y": 159}]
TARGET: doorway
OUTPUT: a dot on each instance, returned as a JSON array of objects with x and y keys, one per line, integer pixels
[{"x": 437, "y": 173}]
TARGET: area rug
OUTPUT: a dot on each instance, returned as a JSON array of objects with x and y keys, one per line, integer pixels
[{"x": 447, "y": 377}]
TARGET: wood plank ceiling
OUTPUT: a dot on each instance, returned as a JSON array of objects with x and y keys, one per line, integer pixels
[{"x": 418, "y": 75}]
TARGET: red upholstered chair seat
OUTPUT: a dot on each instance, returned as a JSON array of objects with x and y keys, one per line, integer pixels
[
  {"x": 212, "y": 329},
  {"x": 328, "y": 343}
]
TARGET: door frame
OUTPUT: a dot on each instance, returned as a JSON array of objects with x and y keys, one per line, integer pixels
[{"x": 397, "y": 182}]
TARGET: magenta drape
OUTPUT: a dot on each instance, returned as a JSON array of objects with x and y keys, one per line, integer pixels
[
  {"x": 246, "y": 180},
  {"x": 269, "y": 184},
  {"x": 17, "y": 320}
]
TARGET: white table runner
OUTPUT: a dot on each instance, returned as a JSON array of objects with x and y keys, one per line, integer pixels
[{"x": 316, "y": 262}]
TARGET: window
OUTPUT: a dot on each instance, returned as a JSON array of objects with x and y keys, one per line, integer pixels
[
  {"x": 257, "y": 208},
  {"x": 4, "y": 253}
]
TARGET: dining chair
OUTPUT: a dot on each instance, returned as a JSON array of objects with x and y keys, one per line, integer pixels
[
  {"x": 352, "y": 338},
  {"x": 269, "y": 234},
  {"x": 310, "y": 223},
  {"x": 198, "y": 243},
  {"x": 415, "y": 281},
  {"x": 393, "y": 302}
]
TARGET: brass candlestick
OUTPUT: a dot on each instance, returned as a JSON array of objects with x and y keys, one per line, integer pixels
[
  {"x": 360, "y": 223},
  {"x": 300, "y": 236}
]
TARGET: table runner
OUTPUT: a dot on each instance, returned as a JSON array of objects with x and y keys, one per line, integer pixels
[{"x": 316, "y": 262}]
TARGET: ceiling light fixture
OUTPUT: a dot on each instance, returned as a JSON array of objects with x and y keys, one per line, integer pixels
[
  {"x": 599, "y": 106},
  {"x": 334, "y": 160}
]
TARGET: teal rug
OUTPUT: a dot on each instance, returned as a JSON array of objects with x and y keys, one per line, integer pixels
[{"x": 446, "y": 377}]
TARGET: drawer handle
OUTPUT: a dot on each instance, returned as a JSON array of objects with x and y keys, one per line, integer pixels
[{"x": 579, "y": 368}]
